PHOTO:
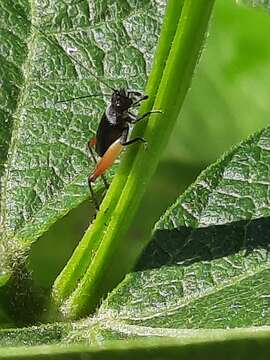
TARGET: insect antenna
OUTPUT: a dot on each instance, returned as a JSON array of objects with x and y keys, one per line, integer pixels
[
  {"x": 81, "y": 97},
  {"x": 57, "y": 45}
]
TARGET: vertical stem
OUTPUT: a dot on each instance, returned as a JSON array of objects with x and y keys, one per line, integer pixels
[{"x": 111, "y": 258}]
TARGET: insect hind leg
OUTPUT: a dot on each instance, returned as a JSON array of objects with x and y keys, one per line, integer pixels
[
  {"x": 90, "y": 145},
  {"x": 93, "y": 195}
]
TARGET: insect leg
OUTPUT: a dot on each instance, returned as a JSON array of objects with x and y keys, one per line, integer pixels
[
  {"x": 137, "y": 103},
  {"x": 132, "y": 141},
  {"x": 90, "y": 145},
  {"x": 107, "y": 160},
  {"x": 112, "y": 153},
  {"x": 123, "y": 139},
  {"x": 93, "y": 195},
  {"x": 140, "y": 96},
  {"x": 145, "y": 115}
]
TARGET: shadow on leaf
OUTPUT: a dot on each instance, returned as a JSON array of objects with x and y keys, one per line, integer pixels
[{"x": 185, "y": 246}]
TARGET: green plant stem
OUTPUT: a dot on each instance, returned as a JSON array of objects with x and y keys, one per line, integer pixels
[
  {"x": 79, "y": 262},
  {"x": 103, "y": 257}
]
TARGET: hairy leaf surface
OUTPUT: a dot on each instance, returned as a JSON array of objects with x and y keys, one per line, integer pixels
[
  {"x": 208, "y": 264},
  {"x": 98, "y": 340},
  {"x": 48, "y": 164}
]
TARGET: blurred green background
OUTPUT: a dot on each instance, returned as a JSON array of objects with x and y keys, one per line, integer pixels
[{"x": 228, "y": 100}]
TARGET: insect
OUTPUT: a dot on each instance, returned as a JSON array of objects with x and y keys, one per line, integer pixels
[{"x": 113, "y": 131}]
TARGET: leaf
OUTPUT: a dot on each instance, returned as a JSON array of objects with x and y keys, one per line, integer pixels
[
  {"x": 12, "y": 56},
  {"x": 47, "y": 167},
  {"x": 222, "y": 107},
  {"x": 260, "y": 4},
  {"x": 208, "y": 265},
  {"x": 182, "y": 285},
  {"x": 92, "y": 338}
]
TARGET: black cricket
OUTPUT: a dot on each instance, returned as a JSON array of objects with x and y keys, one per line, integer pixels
[
  {"x": 115, "y": 121},
  {"x": 113, "y": 130}
]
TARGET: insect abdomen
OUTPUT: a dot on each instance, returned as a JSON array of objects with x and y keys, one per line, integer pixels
[{"x": 107, "y": 134}]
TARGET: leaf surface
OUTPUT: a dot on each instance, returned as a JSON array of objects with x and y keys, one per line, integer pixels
[
  {"x": 92, "y": 338},
  {"x": 208, "y": 264},
  {"x": 48, "y": 164}
]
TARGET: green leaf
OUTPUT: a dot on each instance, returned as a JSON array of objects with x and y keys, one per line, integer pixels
[
  {"x": 12, "y": 56},
  {"x": 260, "y": 4},
  {"x": 208, "y": 265},
  {"x": 100, "y": 340},
  {"x": 47, "y": 167}
]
